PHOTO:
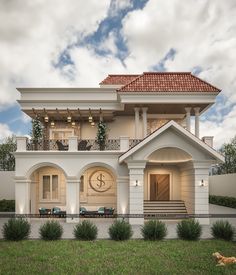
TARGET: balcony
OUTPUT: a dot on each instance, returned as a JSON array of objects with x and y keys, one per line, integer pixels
[{"x": 74, "y": 144}]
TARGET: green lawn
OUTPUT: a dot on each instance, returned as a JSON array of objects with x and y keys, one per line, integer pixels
[{"x": 109, "y": 257}]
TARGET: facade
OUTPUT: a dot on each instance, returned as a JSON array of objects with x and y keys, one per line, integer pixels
[{"x": 151, "y": 161}]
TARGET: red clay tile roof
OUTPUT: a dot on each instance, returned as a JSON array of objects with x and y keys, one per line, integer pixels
[
  {"x": 118, "y": 79},
  {"x": 167, "y": 82}
]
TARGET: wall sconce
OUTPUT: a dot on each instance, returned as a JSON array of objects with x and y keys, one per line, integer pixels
[
  {"x": 136, "y": 184},
  {"x": 52, "y": 124},
  {"x": 46, "y": 118},
  {"x": 92, "y": 124},
  {"x": 202, "y": 183},
  {"x": 73, "y": 123}
]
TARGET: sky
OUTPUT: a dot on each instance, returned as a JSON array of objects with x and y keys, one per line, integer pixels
[{"x": 76, "y": 43}]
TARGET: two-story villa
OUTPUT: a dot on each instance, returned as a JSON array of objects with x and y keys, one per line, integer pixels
[{"x": 153, "y": 162}]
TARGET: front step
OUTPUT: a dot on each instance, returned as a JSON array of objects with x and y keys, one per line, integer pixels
[{"x": 164, "y": 207}]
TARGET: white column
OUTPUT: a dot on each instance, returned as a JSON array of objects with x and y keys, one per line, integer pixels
[
  {"x": 124, "y": 144},
  {"x": 201, "y": 190},
  {"x": 122, "y": 195},
  {"x": 188, "y": 118},
  {"x": 73, "y": 144},
  {"x": 197, "y": 109},
  {"x": 136, "y": 187},
  {"x": 22, "y": 196},
  {"x": 33, "y": 186},
  {"x": 21, "y": 144},
  {"x": 72, "y": 199},
  {"x": 136, "y": 110},
  {"x": 144, "y": 109}
]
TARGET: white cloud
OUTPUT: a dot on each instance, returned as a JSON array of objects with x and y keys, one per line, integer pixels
[
  {"x": 32, "y": 36},
  {"x": 4, "y": 131}
]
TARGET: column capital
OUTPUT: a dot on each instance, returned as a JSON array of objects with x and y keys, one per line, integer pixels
[
  {"x": 138, "y": 164},
  {"x": 144, "y": 109},
  {"x": 136, "y": 109},
  {"x": 188, "y": 109},
  {"x": 196, "y": 110}
]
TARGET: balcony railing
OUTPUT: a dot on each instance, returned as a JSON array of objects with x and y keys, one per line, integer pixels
[{"x": 74, "y": 144}]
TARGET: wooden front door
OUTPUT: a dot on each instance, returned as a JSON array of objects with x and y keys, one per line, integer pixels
[{"x": 159, "y": 187}]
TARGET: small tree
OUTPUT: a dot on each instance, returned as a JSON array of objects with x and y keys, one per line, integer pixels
[
  {"x": 229, "y": 151},
  {"x": 7, "y": 159},
  {"x": 101, "y": 135}
]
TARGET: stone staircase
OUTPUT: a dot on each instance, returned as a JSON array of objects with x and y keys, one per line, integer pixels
[{"x": 164, "y": 208}]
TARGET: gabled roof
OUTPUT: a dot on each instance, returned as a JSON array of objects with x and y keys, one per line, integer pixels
[
  {"x": 180, "y": 129},
  {"x": 168, "y": 82},
  {"x": 118, "y": 79}
]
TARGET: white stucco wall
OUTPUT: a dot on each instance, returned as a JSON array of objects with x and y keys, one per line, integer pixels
[
  {"x": 7, "y": 185},
  {"x": 223, "y": 185}
]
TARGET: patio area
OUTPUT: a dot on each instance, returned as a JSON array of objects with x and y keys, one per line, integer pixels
[{"x": 104, "y": 223}]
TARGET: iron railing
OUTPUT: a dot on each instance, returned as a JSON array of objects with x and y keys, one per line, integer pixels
[
  {"x": 62, "y": 145},
  {"x": 47, "y": 145},
  {"x": 133, "y": 142}
]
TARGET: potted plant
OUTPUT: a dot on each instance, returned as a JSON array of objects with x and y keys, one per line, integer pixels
[{"x": 101, "y": 135}]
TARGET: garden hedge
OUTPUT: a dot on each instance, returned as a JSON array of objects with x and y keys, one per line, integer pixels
[{"x": 223, "y": 201}]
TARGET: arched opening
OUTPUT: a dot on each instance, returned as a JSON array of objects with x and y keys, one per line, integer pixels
[
  {"x": 167, "y": 180},
  {"x": 98, "y": 188},
  {"x": 47, "y": 188}
]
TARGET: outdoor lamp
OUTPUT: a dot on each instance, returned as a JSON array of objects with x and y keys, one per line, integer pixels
[
  {"x": 52, "y": 124},
  {"x": 46, "y": 118},
  {"x": 69, "y": 119},
  {"x": 92, "y": 124}
]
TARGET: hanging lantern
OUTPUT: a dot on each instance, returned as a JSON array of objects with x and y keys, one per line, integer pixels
[{"x": 46, "y": 118}]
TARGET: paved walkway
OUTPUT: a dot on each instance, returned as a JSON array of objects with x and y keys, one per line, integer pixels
[{"x": 103, "y": 225}]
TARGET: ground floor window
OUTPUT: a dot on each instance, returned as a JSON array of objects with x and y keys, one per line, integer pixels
[{"x": 50, "y": 187}]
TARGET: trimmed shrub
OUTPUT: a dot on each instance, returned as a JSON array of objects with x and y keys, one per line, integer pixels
[
  {"x": 189, "y": 229},
  {"x": 223, "y": 201},
  {"x": 120, "y": 231},
  {"x": 16, "y": 229},
  {"x": 51, "y": 230},
  {"x": 154, "y": 230},
  {"x": 7, "y": 206},
  {"x": 222, "y": 230},
  {"x": 86, "y": 231}
]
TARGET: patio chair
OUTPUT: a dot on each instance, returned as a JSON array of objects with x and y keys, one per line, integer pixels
[
  {"x": 44, "y": 211},
  {"x": 56, "y": 211},
  {"x": 60, "y": 146}
]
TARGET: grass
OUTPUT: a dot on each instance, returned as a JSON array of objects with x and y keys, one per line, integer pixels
[{"x": 111, "y": 257}]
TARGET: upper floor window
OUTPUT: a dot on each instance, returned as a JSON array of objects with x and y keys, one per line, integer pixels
[
  {"x": 50, "y": 187},
  {"x": 61, "y": 134}
]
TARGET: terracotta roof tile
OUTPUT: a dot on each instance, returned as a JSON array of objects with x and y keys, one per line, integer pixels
[
  {"x": 118, "y": 79},
  {"x": 167, "y": 82}
]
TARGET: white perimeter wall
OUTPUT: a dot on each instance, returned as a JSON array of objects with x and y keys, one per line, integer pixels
[
  {"x": 223, "y": 185},
  {"x": 7, "y": 185}
]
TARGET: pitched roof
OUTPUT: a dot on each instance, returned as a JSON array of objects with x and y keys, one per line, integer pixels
[
  {"x": 186, "y": 134},
  {"x": 119, "y": 79},
  {"x": 168, "y": 82}
]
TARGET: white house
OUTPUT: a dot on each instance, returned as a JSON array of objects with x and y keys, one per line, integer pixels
[{"x": 153, "y": 162}]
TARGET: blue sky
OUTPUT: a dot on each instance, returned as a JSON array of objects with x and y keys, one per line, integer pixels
[{"x": 79, "y": 43}]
